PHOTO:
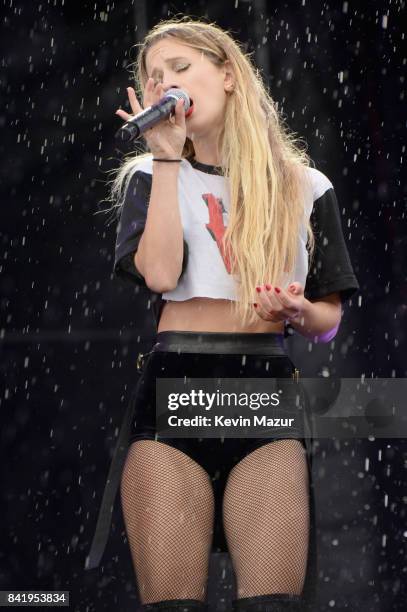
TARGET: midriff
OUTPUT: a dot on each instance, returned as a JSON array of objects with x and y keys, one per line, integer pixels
[{"x": 209, "y": 315}]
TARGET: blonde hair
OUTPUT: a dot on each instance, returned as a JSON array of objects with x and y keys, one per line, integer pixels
[{"x": 261, "y": 158}]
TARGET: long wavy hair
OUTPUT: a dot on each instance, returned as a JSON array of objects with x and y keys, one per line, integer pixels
[{"x": 264, "y": 161}]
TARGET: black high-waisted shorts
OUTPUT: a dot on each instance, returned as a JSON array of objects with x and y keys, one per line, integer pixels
[
  {"x": 198, "y": 355},
  {"x": 209, "y": 355}
]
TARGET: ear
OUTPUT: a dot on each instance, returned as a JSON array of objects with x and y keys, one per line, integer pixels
[{"x": 229, "y": 76}]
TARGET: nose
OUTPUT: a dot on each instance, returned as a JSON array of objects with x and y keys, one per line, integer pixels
[
  {"x": 167, "y": 86},
  {"x": 165, "y": 81}
]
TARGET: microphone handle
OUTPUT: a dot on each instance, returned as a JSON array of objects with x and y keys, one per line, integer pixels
[{"x": 146, "y": 119}]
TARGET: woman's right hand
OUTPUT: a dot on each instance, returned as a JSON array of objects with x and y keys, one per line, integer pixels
[{"x": 167, "y": 138}]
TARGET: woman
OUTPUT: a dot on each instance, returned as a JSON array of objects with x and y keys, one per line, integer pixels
[{"x": 238, "y": 238}]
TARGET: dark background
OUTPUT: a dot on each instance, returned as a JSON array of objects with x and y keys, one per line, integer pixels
[{"x": 70, "y": 335}]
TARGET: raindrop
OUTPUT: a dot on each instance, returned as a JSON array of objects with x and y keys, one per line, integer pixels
[{"x": 384, "y": 540}]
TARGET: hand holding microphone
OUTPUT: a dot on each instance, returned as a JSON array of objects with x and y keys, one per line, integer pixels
[{"x": 165, "y": 137}]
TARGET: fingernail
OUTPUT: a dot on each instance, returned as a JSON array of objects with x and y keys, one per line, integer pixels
[
  {"x": 258, "y": 289},
  {"x": 255, "y": 305},
  {"x": 277, "y": 289},
  {"x": 268, "y": 287}
]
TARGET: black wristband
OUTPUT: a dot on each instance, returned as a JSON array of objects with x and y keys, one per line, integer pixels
[{"x": 166, "y": 160}]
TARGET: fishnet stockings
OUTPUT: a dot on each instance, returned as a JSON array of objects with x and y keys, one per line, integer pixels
[
  {"x": 168, "y": 509},
  {"x": 266, "y": 519}
]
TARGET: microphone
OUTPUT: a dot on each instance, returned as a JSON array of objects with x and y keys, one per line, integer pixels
[{"x": 152, "y": 115}]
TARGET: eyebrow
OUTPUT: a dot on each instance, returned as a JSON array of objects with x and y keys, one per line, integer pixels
[{"x": 168, "y": 61}]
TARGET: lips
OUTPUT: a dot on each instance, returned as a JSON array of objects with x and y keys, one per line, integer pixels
[{"x": 191, "y": 109}]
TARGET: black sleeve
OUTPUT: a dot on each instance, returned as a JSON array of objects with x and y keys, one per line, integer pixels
[
  {"x": 133, "y": 214},
  {"x": 330, "y": 269}
]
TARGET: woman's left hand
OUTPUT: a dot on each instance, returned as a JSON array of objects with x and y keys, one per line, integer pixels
[{"x": 277, "y": 304}]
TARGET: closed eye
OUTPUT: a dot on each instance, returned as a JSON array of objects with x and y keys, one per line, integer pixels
[{"x": 183, "y": 68}]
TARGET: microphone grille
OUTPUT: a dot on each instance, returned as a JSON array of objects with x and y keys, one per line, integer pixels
[{"x": 174, "y": 92}]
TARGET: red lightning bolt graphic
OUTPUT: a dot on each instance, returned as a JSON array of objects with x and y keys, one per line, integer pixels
[{"x": 216, "y": 227}]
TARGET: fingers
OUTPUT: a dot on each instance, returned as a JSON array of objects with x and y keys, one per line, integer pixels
[
  {"x": 267, "y": 303},
  {"x": 134, "y": 104},
  {"x": 276, "y": 304},
  {"x": 284, "y": 298},
  {"x": 295, "y": 288},
  {"x": 121, "y": 113},
  {"x": 180, "y": 113},
  {"x": 148, "y": 89},
  {"x": 152, "y": 93}
]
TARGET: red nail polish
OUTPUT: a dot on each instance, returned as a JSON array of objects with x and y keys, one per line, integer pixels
[
  {"x": 268, "y": 287},
  {"x": 277, "y": 289},
  {"x": 258, "y": 289},
  {"x": 255, "y": 305}
]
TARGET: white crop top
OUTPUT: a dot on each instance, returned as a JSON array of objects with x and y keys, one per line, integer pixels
[{"x": 204, "y": 208}]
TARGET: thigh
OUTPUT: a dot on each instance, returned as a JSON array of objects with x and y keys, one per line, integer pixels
[
  {"x": 266, "y": 519},
  {"x": 168, "y": 507}
]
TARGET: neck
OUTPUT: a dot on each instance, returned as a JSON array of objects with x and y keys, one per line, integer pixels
[{"x": 206, "y": 151}]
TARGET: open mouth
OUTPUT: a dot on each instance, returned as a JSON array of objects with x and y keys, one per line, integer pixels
[{"x": 191, "y": 109}]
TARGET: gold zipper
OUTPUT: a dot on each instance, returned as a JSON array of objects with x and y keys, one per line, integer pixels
[
  {"x": 139, "y": 362},
  {"x": 296, "y": 375}
]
